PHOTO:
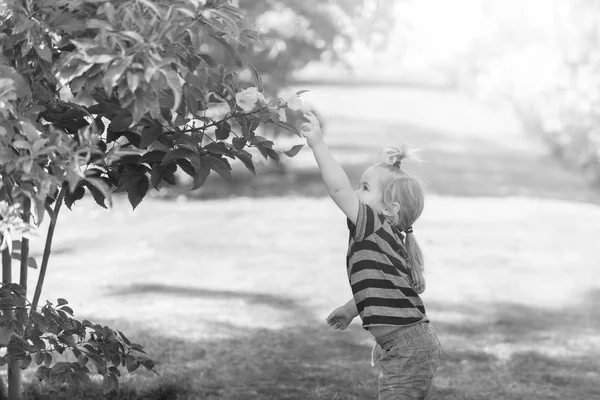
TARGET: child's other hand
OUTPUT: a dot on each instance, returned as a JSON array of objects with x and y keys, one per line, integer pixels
[
  {"x": 339, "y": 318},
  {"x": 311, "y": 130}
]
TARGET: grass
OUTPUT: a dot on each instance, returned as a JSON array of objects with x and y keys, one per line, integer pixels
[{"x": 229, "y": 294}]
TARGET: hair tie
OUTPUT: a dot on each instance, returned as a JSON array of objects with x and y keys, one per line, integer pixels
[
  {"x": 409, "y": 230},
  {"x": 397, "y": 164}
]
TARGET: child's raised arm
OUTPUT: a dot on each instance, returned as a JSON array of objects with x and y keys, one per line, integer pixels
[{"x": 335, "y": 179}]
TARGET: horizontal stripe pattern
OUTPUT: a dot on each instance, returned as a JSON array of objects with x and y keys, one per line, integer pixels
[{"x": 378, "y": 274}]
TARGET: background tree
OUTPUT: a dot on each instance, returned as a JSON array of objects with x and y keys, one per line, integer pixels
[
  {"x": 295, "y": 33},
  {"x": 99, "y": 98},
  {"x": 543, "y": 58}
]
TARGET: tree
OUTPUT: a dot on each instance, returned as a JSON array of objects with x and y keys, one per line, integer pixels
[
  {"x": 549, "y": 73},
  {"x": 295, "y": 33},
  {"x": 99, "y": 98}
]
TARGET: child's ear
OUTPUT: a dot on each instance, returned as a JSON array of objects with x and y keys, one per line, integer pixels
[{"x": 393, "y": 209}]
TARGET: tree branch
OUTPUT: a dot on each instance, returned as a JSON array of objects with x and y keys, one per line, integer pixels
[
  {"x": 201, "y": 128},
  {"x": 48, "y": 247}
]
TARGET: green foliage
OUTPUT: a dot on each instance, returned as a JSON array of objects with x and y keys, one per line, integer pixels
[
  {"x": 294, "y": 33},
  {"x": 106, "y": 97},
  {"x": 144, "y": 96},
  {"x": 40, "y": 336},
  {"x": 549, "y": 74}
]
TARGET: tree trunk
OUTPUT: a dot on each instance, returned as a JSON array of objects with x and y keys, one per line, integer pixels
[
  {"x": 14, "y": 370},
  {"x": 14, "y": 380}
]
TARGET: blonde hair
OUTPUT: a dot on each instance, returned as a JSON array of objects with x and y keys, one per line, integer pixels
[{"x": 405, "y": 189}]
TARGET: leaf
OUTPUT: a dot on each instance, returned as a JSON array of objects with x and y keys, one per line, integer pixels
[
  {"x": 173, "y": 82},
  {"x": 109, "y": 11},
  {"x": 152, "y": 157},
  {"x": 112, "y": 76},
  {"x": 133, "y": 35},
  {"x": 133, "y": 81},
  {"x": 120, "y": 121},
  {"x": 294, "y": 150},
  {"x": 104, "y": 108},
  {"x": 42, "y": 373},
  {"x": 202, "y": 171},
  {"x": 44, "y": 53},
  {"x": 220, "y": 166},
  {"x": 246, "y": 159},
  {"x": 136, "y": 193},
  {"x": 106, "y": 385},
  {"x": 7, "y": 303},
  {"x": 25, "y": 361},
  {"x": 61, "y": 301},
  {"x": 98, "y": 24},
  {"x": 238, "y": 143},
  {"x": 131, "y": 363},
  {"x": 252, "y": 34},
  {"x": 47, "y": 359},
  {"x": 97, "y": 195},
  {"x": 230, "y": 49},
  {"x": 223, "y": 130},
  {"x": 148, "y": 364},
  {"x": 299, "y": 92},
  {"x": 71, "y": 198},
  {"x": 287, "y": 127},
  {"x": 102, "y": 187},
  {"x": 39, "y": 357},
  {"x": 67, "y": 309},
  {"x": 31, "y": 263},
  {"x": 263, "y": 142},
  {"x": 256, "y": 76},
  {"x": 149, "y": 135},
  {"x": 187, "y": 167},
  {"x": 124, "y": 338},
  {"x": 208, "y": 60},
  {"x": 263, "y": 151},
  {"x": 190, "y": 100},
  {"x": 82, "y": 360},
  {"x": 151, "y": 6},
  {"x": 181, "y": 152},
  {"x": 21, "y": 144},
  {"x": 219, "y": 148}
]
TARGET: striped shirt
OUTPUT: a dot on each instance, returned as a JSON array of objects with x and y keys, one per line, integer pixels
[{"x": 380, "y": 280}]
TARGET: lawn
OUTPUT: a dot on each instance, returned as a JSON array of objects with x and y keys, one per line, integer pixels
[{"x": 228, "y": 287}]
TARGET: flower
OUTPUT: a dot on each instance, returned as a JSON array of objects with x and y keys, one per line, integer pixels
[
  {"x": 294, "y": 102},
  {"x": 248, "y": 98}
]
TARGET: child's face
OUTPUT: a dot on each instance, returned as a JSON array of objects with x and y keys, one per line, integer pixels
[{"x": 369, "y": 190}]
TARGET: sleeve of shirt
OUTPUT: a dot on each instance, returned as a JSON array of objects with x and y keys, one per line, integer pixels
[{"x": 367, "y": 222}]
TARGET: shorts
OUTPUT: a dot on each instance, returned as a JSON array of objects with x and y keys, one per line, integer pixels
[{"x": 409, "y": 358}]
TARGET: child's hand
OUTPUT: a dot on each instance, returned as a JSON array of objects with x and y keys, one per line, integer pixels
[
  {"x": 311, "y": 130},
  {"x": 339, "y": 318}
]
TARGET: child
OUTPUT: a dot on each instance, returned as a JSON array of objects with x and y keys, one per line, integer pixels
[{"x": 385, "y": 267}]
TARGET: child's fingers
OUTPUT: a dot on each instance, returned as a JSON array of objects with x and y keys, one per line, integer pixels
[{"x": 311, "y": 117}]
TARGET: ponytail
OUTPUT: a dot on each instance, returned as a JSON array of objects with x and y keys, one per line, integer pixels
[
  {"x": 415, "y": 262},
  {"x": 406, "y": 190}
]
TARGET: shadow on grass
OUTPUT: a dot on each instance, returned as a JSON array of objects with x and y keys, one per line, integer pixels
[
  {"x": 312, "y": 361},
  {"x": 277, "y": 302},
  {"x": 454, "y": 166}
]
